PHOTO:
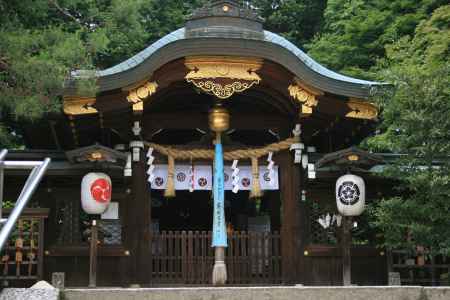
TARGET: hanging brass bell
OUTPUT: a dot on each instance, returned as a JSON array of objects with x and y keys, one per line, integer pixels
[{"x": 219, "y": 119}]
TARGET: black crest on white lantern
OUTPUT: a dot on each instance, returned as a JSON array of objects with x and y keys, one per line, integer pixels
[{"x": 350, "y": 195}]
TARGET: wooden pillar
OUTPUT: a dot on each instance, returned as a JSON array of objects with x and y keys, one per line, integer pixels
[
  {"x": 93, "y": 252},
  {"x": 290, "y": 193},
  {"x": 137, "y": 231},
  {"x": 303, "y": 223},
  {"x": 274, "y": 204},
  {"x": 346, "y": 255}
]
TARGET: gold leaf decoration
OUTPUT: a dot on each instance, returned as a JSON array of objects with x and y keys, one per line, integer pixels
[
  {"x": 302, "y": 95},
  {"x": 141, "y": 93},
  {"x": 361, "y": 109},
  {"x": 79, "y": 106},
  {"x": 223, "y": 76},
  {"x": 305, "y": 95},
  {"x": 223, "y": 91}
]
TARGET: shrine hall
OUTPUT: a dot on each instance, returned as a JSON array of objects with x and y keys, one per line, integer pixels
[{"x": 216, "y": 148}]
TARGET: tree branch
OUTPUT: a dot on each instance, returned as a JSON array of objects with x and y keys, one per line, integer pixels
[
  {"x": 64, "y": 11},
  {"x": 3, "y": 64}
]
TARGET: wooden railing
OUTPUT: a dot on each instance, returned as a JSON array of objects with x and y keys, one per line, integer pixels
[{"x": 186, "y": 257}]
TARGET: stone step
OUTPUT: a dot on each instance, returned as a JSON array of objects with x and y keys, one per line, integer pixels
[{"x": 261, "y": 293}]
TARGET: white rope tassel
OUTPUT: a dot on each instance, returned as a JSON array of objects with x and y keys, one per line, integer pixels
[
  {"x": 151, "y": 166},
  {"x": 191, "y": 178},
  {"x": 219, "y": 276},
  {"x": 270, "y": 168}
]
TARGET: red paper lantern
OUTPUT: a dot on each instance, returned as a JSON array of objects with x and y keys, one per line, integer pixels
[{"x": 96, "y": 191}]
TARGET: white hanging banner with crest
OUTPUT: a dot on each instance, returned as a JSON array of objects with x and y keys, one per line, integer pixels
[
  {"x": 159, "y": 177},
  {"x": 202, "y": 178},
  {"x": 268, "y": 179}
]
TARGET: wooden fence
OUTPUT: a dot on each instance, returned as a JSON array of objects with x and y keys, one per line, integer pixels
[
  {"x": 23, "y": 253},
  {"x": 186, "y": 257}
]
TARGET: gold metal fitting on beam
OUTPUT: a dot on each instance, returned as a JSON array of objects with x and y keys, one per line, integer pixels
[{"x": 96, "y": 156}]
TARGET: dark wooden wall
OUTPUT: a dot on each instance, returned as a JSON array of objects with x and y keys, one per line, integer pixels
[{"x": 322, "y": 265}]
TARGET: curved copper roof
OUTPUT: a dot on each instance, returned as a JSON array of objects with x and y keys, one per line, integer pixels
[{"x": 212, "y": 32}]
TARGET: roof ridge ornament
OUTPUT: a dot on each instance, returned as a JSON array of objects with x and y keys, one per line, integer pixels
[
  {"x": 226, "y": 8},
  {"x": 225, "y": 18}
]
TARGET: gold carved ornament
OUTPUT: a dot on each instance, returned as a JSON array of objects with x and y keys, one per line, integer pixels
[
  {"x": 306, "y": 96},
  {"x": 79, "y": 106},
  {"x": 136, "y": 96},
  {"x": 223, "y": 76},
  {"x": 361, "y": 109}
]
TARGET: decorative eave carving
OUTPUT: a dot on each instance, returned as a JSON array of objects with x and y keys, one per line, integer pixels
[
  {"x": 95, "y": 153},
  {"x": 350, "y": 158},
  {"x": 360, "y": 109},
  {"x": 79, "y": 105},
  {"x": 223, "y": 76},
  {"x": 305, "y": 95},
  {"x": 136, "y": 96}
]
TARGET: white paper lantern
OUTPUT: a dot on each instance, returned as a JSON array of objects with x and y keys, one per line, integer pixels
[
  {"x": 96, "y": 191},
  {"x": 350, "y": 195}
]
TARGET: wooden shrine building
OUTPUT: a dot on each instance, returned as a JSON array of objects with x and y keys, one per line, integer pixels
[{"x": 158, "y": 230}]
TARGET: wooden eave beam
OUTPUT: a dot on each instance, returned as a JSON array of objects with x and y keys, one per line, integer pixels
[{"x": 193, "y": 120}]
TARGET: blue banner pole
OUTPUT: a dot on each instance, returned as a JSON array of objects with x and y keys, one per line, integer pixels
[
  {"x": 219, "y": 234},
  {"x": 219, "y": 227}
]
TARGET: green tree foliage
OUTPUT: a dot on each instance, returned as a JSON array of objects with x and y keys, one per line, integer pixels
[
  {"x": 42, "y": 41},
  {"x": 356, "y": 31},
  {"x": 416, "y": 123},
  {"x": 297, "y": 20}
]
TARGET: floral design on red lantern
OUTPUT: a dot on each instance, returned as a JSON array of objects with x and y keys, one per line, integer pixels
[
  {"x": 96, "y": 191},
  {"x": 101, "y": 190}
]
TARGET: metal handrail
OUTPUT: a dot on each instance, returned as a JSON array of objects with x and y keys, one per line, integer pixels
[
  {"x": 38, "y": 171},
  {"x": 2, "y": 178}
]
